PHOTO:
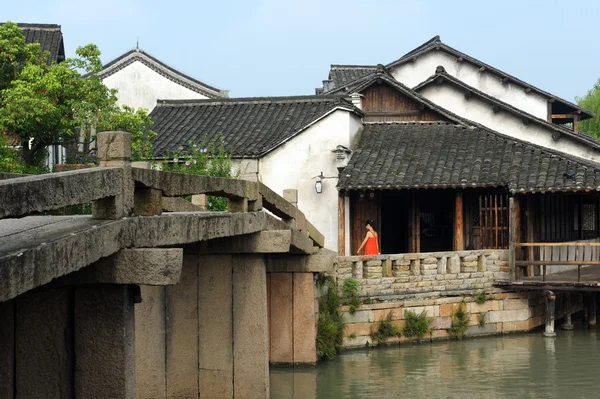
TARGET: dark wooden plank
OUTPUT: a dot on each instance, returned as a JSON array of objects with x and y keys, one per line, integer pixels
[
  {"x": 341, "y": 225},
  {"x": 459, "y": 243}
]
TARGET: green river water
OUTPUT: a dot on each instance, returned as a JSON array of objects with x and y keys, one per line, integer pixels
[{"x": 511, "y": 366}]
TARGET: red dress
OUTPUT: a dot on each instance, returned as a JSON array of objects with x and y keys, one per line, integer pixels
[{"x": 371, "y": 248}]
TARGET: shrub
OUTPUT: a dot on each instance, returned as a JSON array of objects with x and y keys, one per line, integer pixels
[
  {"x": 386, "y": 329},
  {"x": 481, "y": 319},
  {"x": 416, "y": 325},
  {"x": 481, "y": 298},
  {"x": 460, "y": 322},
  {"x": 330, "y": 327},
  {"x": 350, "y": 290}
]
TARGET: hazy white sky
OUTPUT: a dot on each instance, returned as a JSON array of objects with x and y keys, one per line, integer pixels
[{"x": 279, "y": 47}]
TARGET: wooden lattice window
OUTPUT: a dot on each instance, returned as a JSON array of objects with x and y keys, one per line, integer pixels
[{"x": 493, "y": 220}]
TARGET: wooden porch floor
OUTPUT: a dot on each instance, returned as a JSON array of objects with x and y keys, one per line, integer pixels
[{"x": 567, "y": 280}]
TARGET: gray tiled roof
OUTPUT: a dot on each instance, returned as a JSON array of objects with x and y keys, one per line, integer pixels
[
  {"x": 249, "y": 127},
  {"x": 442, "y": 77},
  {"x": 436, "y": 44},
  {"x": 340, "y": 75},
  {"x": 49, "y": 36},
  {"x": 439, "y": 155}
]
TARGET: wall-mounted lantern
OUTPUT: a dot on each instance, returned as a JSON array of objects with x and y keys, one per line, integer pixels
[{"x": 319, "y": 183}]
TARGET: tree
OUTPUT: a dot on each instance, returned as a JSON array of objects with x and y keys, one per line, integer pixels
[
  {"x": 46, "y": 104},
  {"x": 591, "y": 101}
]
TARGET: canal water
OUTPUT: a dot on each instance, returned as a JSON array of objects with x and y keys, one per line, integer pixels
[{"x": 511, "y": 366}]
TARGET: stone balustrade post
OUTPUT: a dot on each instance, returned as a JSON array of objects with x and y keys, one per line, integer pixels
[
  {"x": 114, "y": 150},
  {"x": 550, "y": 298},
  {"x": 568, "y": 324}
]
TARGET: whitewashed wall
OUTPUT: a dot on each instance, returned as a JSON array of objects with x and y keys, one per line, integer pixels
[
  {"x": 479, "y": 111},
  {"x": 296, "y": 163},
  {"x": 140, "y": 86},
  {"x": 247, "y": 168},
  {"x": 413, "y": 73}
]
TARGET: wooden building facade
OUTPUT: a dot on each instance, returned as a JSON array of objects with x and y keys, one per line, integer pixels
[{"x": 433, "y": 182}]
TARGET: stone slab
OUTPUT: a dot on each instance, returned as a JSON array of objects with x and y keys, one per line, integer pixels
[
  {"x": 44, "y": 353},
  {"x": 104, "y": 342},
  {"x": 250, "y": 349},
  {"x": 7, "y": 349},
  {"x": 281, "y": 308},
  {"x": 305, "y": 333},
  {"x": 150, "y": 342},
  {"x": 215, "y": 326},
  {"x": 182, "y": 332}
]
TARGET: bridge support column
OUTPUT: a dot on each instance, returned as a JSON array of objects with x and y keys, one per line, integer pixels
[
  {"x": 591, "y": 303},
  {"x": 250, "y": 351},
  {"x": 550, "y": 313},
  {"x": 104, "y": 342},
  {"x": 568, "y": 324}
]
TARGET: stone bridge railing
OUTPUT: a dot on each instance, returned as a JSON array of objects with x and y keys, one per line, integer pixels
[
  {"x": 400, "y": 274},
  {"x": 118, "y": 190}
]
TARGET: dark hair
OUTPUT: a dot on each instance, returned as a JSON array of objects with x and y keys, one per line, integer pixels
[{"x": 370, "y": 222}]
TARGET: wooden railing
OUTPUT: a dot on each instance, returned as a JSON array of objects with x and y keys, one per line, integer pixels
[{"x": 526, "y": 256}]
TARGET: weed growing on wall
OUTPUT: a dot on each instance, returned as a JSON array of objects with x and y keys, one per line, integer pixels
[
  {"x": 416, "y": 325},
  {"x": 330, "y": 327},
  {"x": 351, "y": 288},
  {"x": 460, "y": 322},
  {"x": 481, "y": 298},
  {"x": 386, "y": 329},
  {"x": 481, "y": 319}
]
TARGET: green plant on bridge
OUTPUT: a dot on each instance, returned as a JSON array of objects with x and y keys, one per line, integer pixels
[
  {"x": 330, "y": 327},
  {"x": 481, "y": 319},
  {"x": 350, "y": 289},
  {"x": 207, "y": 158},
  {"x": 481, "y": 298},
  {"x": 416, "y": 325},
  {"x": 386, "y": 329}
]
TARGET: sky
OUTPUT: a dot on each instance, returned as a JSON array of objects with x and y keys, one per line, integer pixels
[{"x": 280, "y": 47}]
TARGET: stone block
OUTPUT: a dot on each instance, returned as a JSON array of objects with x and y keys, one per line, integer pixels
[
  {"x": 382, "y": 314},
  {"x": 360, "y": 316},
  {"x": 250, "y": 351},
  {"x": 481, "y": 263},
  {"x": 441, "y": 323},
  {"x": 448, "y": 309},
  {"x": 147, "y": 202},
  {"x": 440, "y": 334},
  {"x": 281, "y": 323},
  {"x": 358, "y": 342},
  {"x": 388, "y": 280},
  {"x": 113, "y": 146},
  {"x": 357, "y": 270},
  {"x": 182, "y": 330},
  {"x": 484, "y": 307},
  {"x": 429, "y": 272},
  {"x": 386, "y": 266},
  {"x": 429, "y": 266},
  {"x": 453, "y": 265},
  {"x": 424, "y": 284},
  {"x": 305, "y": 333},
  {"x": 372, "y": 263},
  {"x": 359, "y": 329},
  {"x": 7, "y": 349},
  {"x": 515, "y": 326},
  {"x": 150, "y": 338},
  {"x": 44, "y": 353},
  {"x": 503, "y": 316},
  {"x": 487, "y": 329},
  {"x": 105, "y": 343},
  {"x": 372, "y": 275},
  {"x": 430, "y": 311},
  {"x": 415, "y": 267},
  {"x": 516, "y": 304},
  {"x": 441, "y": 265},
  {"x": 429, "y": 261}
]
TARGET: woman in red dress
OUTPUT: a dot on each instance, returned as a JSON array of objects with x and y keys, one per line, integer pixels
[{"x": 371, "y": 240}]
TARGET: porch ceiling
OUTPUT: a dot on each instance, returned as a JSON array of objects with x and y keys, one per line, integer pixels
[{"x": 441, "y": 155}]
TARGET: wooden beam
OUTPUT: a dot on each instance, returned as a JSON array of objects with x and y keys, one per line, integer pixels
[
  {"x": 532, "y": 211},
  {"x": 341, "y": 224},
  {"x": 411, "y": 112},
  {"x": 575, "y": 123},
  {"x": 459, "y": 239},
  {"x": 563, "y": 116},
  {"x": 512, "y": 239}
]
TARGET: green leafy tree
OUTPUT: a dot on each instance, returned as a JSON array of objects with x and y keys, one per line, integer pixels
[
  {"x": 45, "y": 103},
  {"x": 208, "y": 158},
  {"x": 591, "y": 101}
]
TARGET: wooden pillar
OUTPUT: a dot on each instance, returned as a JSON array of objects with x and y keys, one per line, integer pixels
[
  {"x": 575, "y": 123},
  {"x": 532, "y": 221},
  {"x": 414, "y": 235},
  {"x": 591, "y": 308},
  {"x": 341, "y": 224},
  {"x": 512, "y": 228},
  {"x": 459, "y": 241}
]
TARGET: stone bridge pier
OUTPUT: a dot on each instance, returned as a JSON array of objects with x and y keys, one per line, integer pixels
[{"x": 131, "y": 302}]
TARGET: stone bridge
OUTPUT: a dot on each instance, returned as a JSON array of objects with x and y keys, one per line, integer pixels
[{"x": 133, "y": 302}]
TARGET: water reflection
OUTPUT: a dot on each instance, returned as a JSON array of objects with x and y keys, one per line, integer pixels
[{"x": 529, "y": 366}]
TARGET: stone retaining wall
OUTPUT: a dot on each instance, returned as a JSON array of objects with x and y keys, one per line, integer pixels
[
  {"x": 386, "y": 275},
  {"x": 503, "y": 313}
]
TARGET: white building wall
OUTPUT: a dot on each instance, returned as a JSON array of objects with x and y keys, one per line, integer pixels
[
  {"x": 140, "y": 86},
  {"x": 413, "y": 73},
  {"x": 481, "y": 112},
  {"x": 296, "y": 163}
]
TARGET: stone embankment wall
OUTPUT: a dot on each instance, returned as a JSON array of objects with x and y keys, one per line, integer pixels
[
  {"x": 502, "y": 312},
  {"x": 388, "y": 275}
]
